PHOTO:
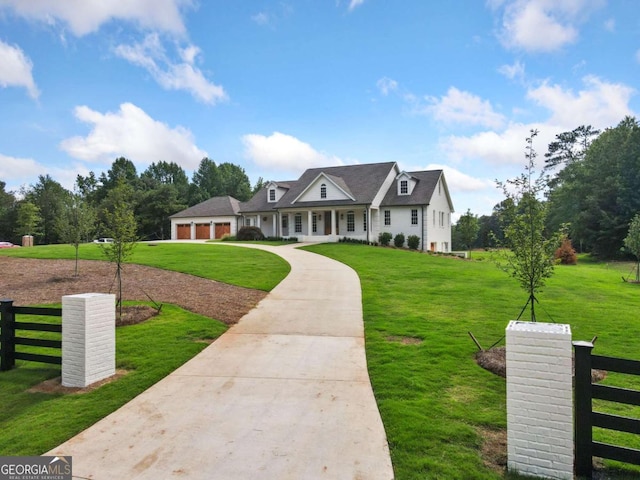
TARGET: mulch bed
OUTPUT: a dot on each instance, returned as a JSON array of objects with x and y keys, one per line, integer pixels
[{"x": 34, "y": 281}]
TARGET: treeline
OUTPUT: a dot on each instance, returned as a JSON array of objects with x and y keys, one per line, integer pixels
[
  {"x": 46, "y": 209},
  {"x": 593, "y": 192}
]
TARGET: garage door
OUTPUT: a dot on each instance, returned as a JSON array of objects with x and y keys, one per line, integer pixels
[
  {"x": 202, "y": 231},
  {"x": 184, "y": 231},
  {"x": 222, "y": 229}
]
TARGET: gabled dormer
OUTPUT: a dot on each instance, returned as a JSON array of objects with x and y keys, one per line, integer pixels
[
  {"x": 405, "y": 183},
  {"x": 274, "y": 192},
  {"x": 325, "y": 187}
]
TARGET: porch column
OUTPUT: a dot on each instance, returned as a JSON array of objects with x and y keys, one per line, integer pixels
[
  {"x": 333, "y": 222},
  {"x": 192, "y": 232},
  {"x": 309, "y": 223},
  {"x": 258, "y": 221},
  {"x": 274, "y": 221}
]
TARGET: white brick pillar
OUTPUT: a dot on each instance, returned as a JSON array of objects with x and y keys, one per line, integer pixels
[
  {"x": 88, "y": 338},
  {"x": 539, "y": 399}
]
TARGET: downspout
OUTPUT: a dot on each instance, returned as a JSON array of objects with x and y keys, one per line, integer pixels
[{"x": 424, "y": 239}]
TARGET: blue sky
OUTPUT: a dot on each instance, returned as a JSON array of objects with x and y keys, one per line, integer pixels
[{"x": 280, "y": 86}]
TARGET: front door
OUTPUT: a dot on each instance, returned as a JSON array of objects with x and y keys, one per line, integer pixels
[{"x": 327, "y": 223}]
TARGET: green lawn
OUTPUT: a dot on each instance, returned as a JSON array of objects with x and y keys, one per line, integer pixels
[
  {"x": 33, "y": 423},
  {"x": 434, "y": 400},
  {"x": 436, "y": 403}
]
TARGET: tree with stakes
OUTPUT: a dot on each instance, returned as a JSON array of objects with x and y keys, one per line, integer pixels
[{"x": 528, "y": 255}]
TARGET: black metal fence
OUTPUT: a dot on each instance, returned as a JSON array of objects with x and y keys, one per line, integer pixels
[
  {"x": 586, "y": 418},
  {"x": 8, "y": 338}
]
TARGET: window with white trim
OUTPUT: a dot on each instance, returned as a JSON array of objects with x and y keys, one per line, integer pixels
[
  {"x": 285, "y": 221},
  {"x": 387, "y": 217},
  {"x": 297, "y": 220},
  {"x": 314, "y": 223},
  {"x": 323, "y": 191},
  {"x": 247, "y": 222},
  {"x": 351, "y": 222},
  {"x": 414, "y": 216},
  {"x": 404, "y": 187},
  {"x": 272, "y": 195},
  {"x": 364, "y": 221}
]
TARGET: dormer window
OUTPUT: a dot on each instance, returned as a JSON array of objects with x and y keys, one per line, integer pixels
[
  {"x": 404, "y": 187},
  {"x": 323, "y": 191},
  {"x": 272, "y": 195}
]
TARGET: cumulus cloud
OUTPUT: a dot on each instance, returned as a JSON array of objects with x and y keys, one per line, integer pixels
[
  {"x": 542, "y": 25},
  {"x": 461, "y": 182},
  {"x": 83, "y": 17},
  {"x": 386, "y": 85},
  {"x": 131, "y": 133},
  {"x": 15, "y": 170},
  {"x": 16, "y": 69},
  {"x": 600, "y": 104},
  {"x": 462, "y": 107},
  {"x": 285, "y": 153},
  {"x": 151, "y": 55}
]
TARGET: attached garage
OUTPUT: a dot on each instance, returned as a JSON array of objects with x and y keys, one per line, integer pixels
[
  {"x": 213, "y": 218},
  {"x": 203, "y": 231},
  {"x": 222, "y": 229},
  {"x": 184, "y": 231}
]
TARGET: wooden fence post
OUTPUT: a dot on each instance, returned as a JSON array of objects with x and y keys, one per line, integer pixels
[
  {"x": 7, "y": 336},
  {"x": 583, "y": 406}
]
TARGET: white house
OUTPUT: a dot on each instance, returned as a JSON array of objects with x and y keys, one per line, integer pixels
[{"x": 326, "y": 204}]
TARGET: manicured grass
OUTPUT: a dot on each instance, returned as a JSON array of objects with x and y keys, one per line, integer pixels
[
  {"x": 433, "y": 398},
  {"x": 33, "y": 423},
  {"x": 245, "y": 267}
]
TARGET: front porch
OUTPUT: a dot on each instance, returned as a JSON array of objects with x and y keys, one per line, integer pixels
[{"x": 317, "y": 225}]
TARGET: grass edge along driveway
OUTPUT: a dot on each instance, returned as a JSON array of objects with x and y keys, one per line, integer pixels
[{"x": 436, "y": 404}]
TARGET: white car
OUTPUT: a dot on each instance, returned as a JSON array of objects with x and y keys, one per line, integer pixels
[{"x": 103, "y": 240}]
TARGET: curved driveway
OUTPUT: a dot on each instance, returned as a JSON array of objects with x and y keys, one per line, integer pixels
[{"x": 284, "y": 394}]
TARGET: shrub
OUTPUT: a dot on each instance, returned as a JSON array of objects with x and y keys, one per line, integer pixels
[
  {"x": 566, "y": 255},
  {"x": 413, "y": 242},
  {"x": 398, "y": 240},
  {"x": 228, "y": 238},
  {"x": 384, "y": 238},
  {"x": 250, "y": 233}
]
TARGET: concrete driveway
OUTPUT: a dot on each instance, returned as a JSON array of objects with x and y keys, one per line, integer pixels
[{"x": 284, "y": 394}]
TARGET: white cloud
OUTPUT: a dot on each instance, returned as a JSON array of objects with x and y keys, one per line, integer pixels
[
  {"x": 515, "y": 71},
  {"x": 386, "y": 85},
  {"x": 15, "y": 69},
  {"x": 543, "y": 25},
  {"x": 610, "y": 25},
  {"x": 131, "y": 133},
  {"x": 461, "y": 182},
  {"x": 462, "y": 108},
  {"x": 14, "y": 170},
  {"x": 638, "y": 55},
  {"x": 284, "y": 152},
  {"x": 353, "y": 4},
  {"x": 83, "y": 17},
  {"x": 600, "y": 104},
  {"x": 150, "y": 54}
]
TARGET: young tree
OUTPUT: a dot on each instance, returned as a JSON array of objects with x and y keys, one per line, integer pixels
[
  {"x": 530, "y": 255},
  {"x": 76, "y": 223},
  {"x": 120, "y": 224},
  {"x": 632, "y": 242},
  {"x": 468, "y": 227}
]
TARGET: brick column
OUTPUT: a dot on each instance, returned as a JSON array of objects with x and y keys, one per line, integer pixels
[
  {"x": 539, "y": 399},
  {"x": 88, "y": 338}
]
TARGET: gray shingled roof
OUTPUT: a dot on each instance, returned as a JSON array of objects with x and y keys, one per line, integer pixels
[
  {"x": 216, "y": 206},
  {"x": 421, "y": 194},
  {"x": 362, "y": 181},
  {"x": 259, "y": 203}
]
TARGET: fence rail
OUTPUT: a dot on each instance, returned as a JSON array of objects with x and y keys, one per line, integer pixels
[
  {"x": 9, "y": 340},
  {"x": 586, "y": 418}
]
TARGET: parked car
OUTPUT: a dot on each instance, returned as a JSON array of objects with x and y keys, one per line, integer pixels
[
  {"x": 7, "y": 245},
  {"x": 103, "y": 240}
]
